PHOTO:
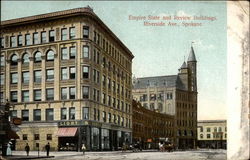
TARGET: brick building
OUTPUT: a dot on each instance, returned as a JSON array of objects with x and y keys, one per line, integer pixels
[{"x": 68, "y": 76}]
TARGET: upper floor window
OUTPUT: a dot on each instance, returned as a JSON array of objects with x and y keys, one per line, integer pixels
[
  {"x": 25, "y": 77},
  {"x": 50, "y": 94},
  {"x": 64, "y": 53},
  {"x": 85, "y": 31},
  {"x": 201, "y": 129},
  {"x": 50, "y": 56},
  {"x": 38, "y": 76},
  {"x": 43, "y": 37},
  {"x": 2, "y": 61},
  {"x": 72, "y": 52},
  {"x": 64, "y": 93},
  {"x": 37, "y": 115},
  {"x": 25, "y": 58},
  {"x": 72, "y": 72},
  {"x": 72, "y": 113},
  {"x": 64, "y": 34},
  {"x": 19, "y": 40},
  {"x": 13, "y": 96},
  {"x": 12, "y": 41},
  {"x": 64, "y": 73},
  {"x": 201, "y": 136},
  {"x": 50, "y": 74},
  {"x": 208, "y": 129},
  {"x": 51, "y": 36},
  {"x": 63, "y": 113},
  {"x": 25, "y": 96},
  {"x": 37, "y": 95},
  {"x": 2, "y": 42},
  {"x": 85, "y": 51},
  {"x": 72, "y": 93},
  {"x": 35, "y": 38},
  {"x": 14, "y": 78},
  {"x": 25, "y": 115},
  {"x": 38, "y": 57},
  {"x": 13, "y": 59},
  {"x": 1, "y": 97},
  {"x": 85, "y": 92},
  {"x": 72, "y": 32},
  {"x": 85, "y": 72},
  {"x": 50, "y": 114},
  {"x": 85, "y": 113},
  {"x": 1, "y": 79},
  {"x": 27, "y": 39}
]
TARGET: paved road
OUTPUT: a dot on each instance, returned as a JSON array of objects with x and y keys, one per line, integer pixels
[{"x": 145, "y": 155}]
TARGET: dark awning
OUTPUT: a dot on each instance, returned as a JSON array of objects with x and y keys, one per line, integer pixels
[
  {"x": 12, "y": 134},
  {"x": 67, "y": 132}
]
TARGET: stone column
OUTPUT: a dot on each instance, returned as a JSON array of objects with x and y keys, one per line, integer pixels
[{"x": 31, "y": 81}]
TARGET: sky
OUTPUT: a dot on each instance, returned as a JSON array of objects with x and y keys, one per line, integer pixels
[{"x": 159, "y": 50}]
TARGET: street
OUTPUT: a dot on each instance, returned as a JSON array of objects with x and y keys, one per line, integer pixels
[{"x": 206, "y": 154}]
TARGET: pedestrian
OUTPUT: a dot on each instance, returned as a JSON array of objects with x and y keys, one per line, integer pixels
[
  {"x": 27, "y": 149},
  {"x": 47, "y": 147},
  {"x": 83, "y": 148},
  {"x": 8, "y": 151}
]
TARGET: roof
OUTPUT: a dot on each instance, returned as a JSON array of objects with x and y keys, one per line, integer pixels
[
  {"x": 83, "y": 11},
  {"x": 159, "y": 81},
  {"x": 212, "y": 121},
  {"x": 191, "y": 56},
  {"x": 184, "y": 65}
]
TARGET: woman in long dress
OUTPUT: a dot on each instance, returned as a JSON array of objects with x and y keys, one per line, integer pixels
[{"x": 8, "y": 152}]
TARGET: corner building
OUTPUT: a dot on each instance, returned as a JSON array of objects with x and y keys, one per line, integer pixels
[
  {"x": 174, "y": 95},
  {"x": 68, "y": 77}
]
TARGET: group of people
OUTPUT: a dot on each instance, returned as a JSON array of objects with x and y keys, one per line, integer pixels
[{"x": 47, "y": 148}]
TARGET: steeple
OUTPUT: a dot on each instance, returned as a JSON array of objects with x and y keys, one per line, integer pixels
[
  {"x": 191, "y": 57},
  {"x": 184, "y": 65}
]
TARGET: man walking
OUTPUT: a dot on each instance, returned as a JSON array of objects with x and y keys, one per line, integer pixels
[
  {"x": 47, "y": 147},
  {"x": 27, "y": 149}
]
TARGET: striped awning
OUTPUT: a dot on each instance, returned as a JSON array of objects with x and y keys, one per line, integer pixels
[{"x": 67, "y": 132}]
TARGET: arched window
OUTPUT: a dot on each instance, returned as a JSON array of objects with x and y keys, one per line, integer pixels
[
  {"x": 50, "y": 56},
  {"x": 38, "y": 57},
  {"x": 201, "y": 135},
  {"x": 26, "y": 58},
  {"x": 13, "y": 59}
]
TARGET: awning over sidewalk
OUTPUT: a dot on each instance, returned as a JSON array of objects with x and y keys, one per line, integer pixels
[
  {"x": 67, "y": 132},
  {"x": 12, "y": 134}
]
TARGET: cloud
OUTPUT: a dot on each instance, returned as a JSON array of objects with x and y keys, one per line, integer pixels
[{"x": 200, "y": 44}]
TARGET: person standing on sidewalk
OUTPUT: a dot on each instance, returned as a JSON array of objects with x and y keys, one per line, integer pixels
[
  {"x": 27, "y": 149},
  {"x": 83, "y": 148},
  {"x": 47, "y": 147}
]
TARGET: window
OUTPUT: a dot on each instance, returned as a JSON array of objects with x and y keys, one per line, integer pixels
[
  {"x": 63, "y": 113},
  {"x": 85, "y": 32},
  {"x": 35, "y": 38},
  {"x": 13, "y": 113},
  {"x": 85, "y": 113},
  {"x": 95, "y": 36},
  {"x": 109, "y": 100},
  {"x": 49, "y": 137},
  {"x": 37, "y": 95},
  {"x": 104, "y": 116},
  {"x": 12, "y": 41},
  {"x": 104, "y": 81},
  {"x": 219, "y": 129},
  {"x": 13, "y": 60},
  {"x": 215, "y": 129},
  {"x": 36, "y": 137},
  {"x": 109, "y": 118},
  {"x": 201, "y": 129},
  {"x": 64, "y": 73},
  {"x": 43, "y": 37},
  {"x": 50, "y": 56},
  {"x": 85, "y": 92},
  {"x": 25, "y": 115},
  {"x": 85, "y": 51},
  {"x": 19, "y": 40},
  {"x": 25, "y": 96},
  {"x": 114, "y": 102},
  {"x": 72, "y": 52},
  {"x": 2, "y": 61},
  {"x": 201, "y": 136},
  {"x": 109, "y": 83},
  {"x": 72, "y": 32},
  {"x": 103, "y": 98},
  {"x": 72, "y": 93},
  {"x": 49, "y": 114},
  {"x": 64, "y": 93},
  {"x": 72, "y": 72},
  {"x": 208, "y": 136},
  {"x": 72, "y": 113},
  {"x": 25, "y": 137},
  {"x": 37, "y": 76},
  {"x": 2, "y": 42},
  {"x": 27, "y": 39},
  {"x": 50, "y": 74},
  {"x": 1, "y": 79},
  {"x": 25, "y": 59},
  {"x": 85, "y": 72},
  {"x": 14, "y": 78},
  {"x": 208, "y": 129},
  {"x": 38, "y": 57},
  {"x": 50, "y": 94},
  {"x": 64, "y": 34},
  {"x": 37, "y": 115},
  {"x": 13, "y": 96},
  {"x": 64, "y": 53},
  {"x": 25, "y": 77},
  {"x": 51, "y": 36}
]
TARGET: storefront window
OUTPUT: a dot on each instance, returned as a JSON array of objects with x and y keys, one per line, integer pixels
[
  {"x": 95, "y": 138},
  {"x": 105, "y": 139}
]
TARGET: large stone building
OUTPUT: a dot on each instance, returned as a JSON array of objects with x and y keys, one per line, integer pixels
[
  {"x": 212, "y": 134},
  {"x": 68, "y": 76},
  {"x": 150, "y": 127},
  {"x": 174, "y": 95}
]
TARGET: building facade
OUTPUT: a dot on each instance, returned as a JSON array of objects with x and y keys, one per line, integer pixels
[
  {"x": 68, "y": 77},
  {"x": 174, "y": 95},
  {"x": 150, "y": 127},
  {"x": 212, "y": 134}
]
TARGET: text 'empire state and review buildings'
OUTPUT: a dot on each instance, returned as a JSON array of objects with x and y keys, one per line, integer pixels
[
  {"x": 68, "y": 76},
  {"x": 174, "y": 95}
]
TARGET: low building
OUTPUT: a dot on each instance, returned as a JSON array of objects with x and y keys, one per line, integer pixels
[
  {"x": 150, "y": 127},
  {"x": 212, "y": 134}
]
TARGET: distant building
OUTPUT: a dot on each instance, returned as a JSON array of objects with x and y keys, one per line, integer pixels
[
  {"x": 68, "y": 76},
  {"x": 150, "y": 127},
  {"x": 212, "y": 134},
  {"x": 174, "y": 95}
]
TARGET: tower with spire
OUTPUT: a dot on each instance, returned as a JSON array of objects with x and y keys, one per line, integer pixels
[{"x": 191, "y": 64}]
